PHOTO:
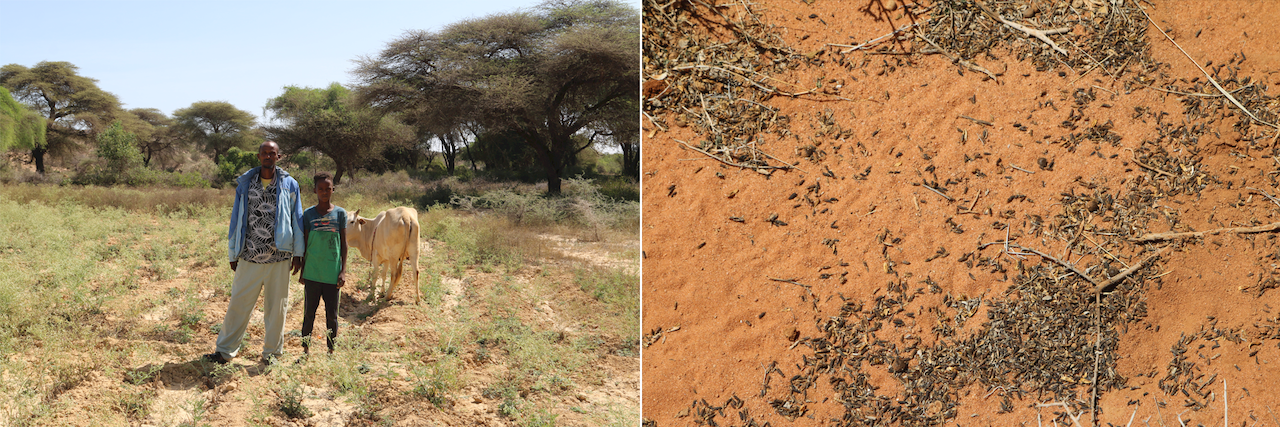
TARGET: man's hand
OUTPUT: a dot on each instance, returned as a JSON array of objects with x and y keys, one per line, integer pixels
[
  {"x": 297, "y": 265},
  {"x": 233, "y": 265}
]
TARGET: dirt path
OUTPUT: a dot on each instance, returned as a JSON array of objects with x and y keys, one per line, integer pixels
[{"x": 872, "y": 281}]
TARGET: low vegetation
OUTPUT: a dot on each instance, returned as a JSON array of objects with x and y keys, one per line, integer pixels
[{"x": 529, "y": 317}]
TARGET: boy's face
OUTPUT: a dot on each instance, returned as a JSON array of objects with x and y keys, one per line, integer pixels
[{"x": 324, "y": 190}]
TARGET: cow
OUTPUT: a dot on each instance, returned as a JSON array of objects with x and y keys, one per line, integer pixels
[{"x": 387, "y": 239}]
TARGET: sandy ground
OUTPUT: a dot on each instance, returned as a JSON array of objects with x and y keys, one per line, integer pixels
[{"x": 907, "y": 182}]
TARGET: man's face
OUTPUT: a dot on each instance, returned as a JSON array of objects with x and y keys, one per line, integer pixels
[
  {"x": 268, "y": 154},
  {"x": 324, "y": 190}
]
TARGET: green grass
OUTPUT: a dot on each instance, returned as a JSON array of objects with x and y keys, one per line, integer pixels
[
  {"x": 86, "y": 265},
  {"x": 619, "y": 292}
]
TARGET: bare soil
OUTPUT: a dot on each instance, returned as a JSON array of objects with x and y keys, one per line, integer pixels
[{"x": 879, "y": 268}]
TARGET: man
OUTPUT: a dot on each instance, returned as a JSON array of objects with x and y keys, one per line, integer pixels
[{"x": 265, "y": 233}]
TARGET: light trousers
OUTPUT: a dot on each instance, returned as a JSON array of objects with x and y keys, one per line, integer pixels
[{"x": 251, "y": 280}]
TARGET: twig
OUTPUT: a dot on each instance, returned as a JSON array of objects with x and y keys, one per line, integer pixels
[
  {"x": 873, "y": 41},
  {"x": 1021, "y": 169},
  {"x": 791, "y": 281},
  {"x": 744, "y": 166},
  {"x": 957, "y": 59},
  {"x": 655, "y": 123},
  {"x": 1264, "y": 194},
  {"x": 1097, "y": 343},
  {"x": 1153, "y": 237},
  {"x": 1134, "y": 156},
  {"x": 1202, "y": 95},
  {"x": 1074, "y": 419},
  {"x": 1161, "y": 419},
  {"x": 1225, "y": 420},
  {"x": 1117, "y": 278},
  {"x": 949, "y": 199},
  {"x": 1064, "y": 264},
  {"x": 1202, "y": 70},
  {"x": 981, "y": 122},
  {"x": 1273, "y": 416},
  {"x": 1043, "y": 35}
]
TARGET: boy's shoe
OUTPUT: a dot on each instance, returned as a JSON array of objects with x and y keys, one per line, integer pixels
[{"x": 215, "y": 357}]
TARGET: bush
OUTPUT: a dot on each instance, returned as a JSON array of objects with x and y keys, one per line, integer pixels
[{"x": 235, "y": 163}]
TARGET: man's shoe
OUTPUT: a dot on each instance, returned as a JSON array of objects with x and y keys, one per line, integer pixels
[
  {"x": 215, "y": 357},
  {"x": 271, "y": 360}
]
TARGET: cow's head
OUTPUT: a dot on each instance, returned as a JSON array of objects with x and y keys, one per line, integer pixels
[{"x": 359, "y": 236}]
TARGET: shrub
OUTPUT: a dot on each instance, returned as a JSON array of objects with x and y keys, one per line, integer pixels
[{"x": 235, "y": 163}]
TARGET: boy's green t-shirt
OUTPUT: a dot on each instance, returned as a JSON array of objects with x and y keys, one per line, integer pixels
[{"x": 324, "y": 251}]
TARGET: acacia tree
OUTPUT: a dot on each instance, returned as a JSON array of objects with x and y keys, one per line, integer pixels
[
  {"x": 19, "y": 127},
  {"x": 216, "y": 126},
  {"x": 72, "y": 105},
  {"x": 160, "y": 136},
  {"x": 329, "y": 121},
  {"x": 544, "y": 75},
  {"x": 623, "y": 130}
]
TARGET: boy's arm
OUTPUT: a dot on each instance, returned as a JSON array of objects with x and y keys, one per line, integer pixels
[
  {"x": 304, "y": 250},
  {"x": 298, "y": 236},
  {"x": 342, "y": 269}
]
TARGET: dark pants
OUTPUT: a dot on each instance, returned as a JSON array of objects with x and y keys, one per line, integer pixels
[{"x": 315, "y": 291}]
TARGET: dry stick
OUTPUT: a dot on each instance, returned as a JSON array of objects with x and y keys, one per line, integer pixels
[
  {"x": 1206, "y": 73},
  {"x": 774, "y": 91},
  {"x": 1097, "y": 342},
  {"x": 949, "y": 199},
  {"x": 981, "y": 122},
  {"x": 1134, "y": 155},
  {"x": 1161, "y": 419},
  {"x": 1064, "y": 264},
  {"x": 655, "y": 123},
  {"x": 873, "y": 41},
  {"x": 1117, "y": 278},
  {"x": 1202, "y": 95},
  {"x": 1043, "y": 35},
  {"x": 1074, "y": 419},
  {"x": 1273, "y": 416},
  {"x": 1153, "y": 237},
  {"x": 1268, "y": 196},
  {"x": 956, "y": 58},
  {"x": 1225, "y": 422},
  {"x": 728, "y": 162}
]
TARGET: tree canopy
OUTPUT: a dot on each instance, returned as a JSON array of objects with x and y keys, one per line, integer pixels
[
  {"x": 19, "y": 127},
  {"x": 544, "y": 75},
  {"x": 159, "y": 136},
  {"x": 73, "y": 106},
  {"x": 217, "y": 126},
  {"x": 329, "y": 121}
]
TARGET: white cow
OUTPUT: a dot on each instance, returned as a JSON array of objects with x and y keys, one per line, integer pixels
[{"x": 387, "y": 239}]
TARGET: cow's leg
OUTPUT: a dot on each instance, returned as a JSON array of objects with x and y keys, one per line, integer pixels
[
  {"x": 396, "y": 269},
  {"x": 373, "y": 275}
]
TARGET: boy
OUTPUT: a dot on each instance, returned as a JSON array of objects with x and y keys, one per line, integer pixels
[{"x": 324, "y": 265}]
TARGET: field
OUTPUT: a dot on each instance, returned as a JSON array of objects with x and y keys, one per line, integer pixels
[
  {"x": 915, "y": 213},
  {"x": 110, "y": 296}
]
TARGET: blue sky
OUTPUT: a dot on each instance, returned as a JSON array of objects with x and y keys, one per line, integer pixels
[{"x": 169, "y": 54}]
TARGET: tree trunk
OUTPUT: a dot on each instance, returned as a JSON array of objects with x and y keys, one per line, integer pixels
[
  {"x": 553, "y": 182},
  {"x": 37, "y": 155},
  {"x": 631, "y": 160},
  {"x": 338, "y": 172},
  {"x": 473, "y": 159}
]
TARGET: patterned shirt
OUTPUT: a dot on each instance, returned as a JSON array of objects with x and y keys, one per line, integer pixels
[{"x": 260, "y": 241}]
